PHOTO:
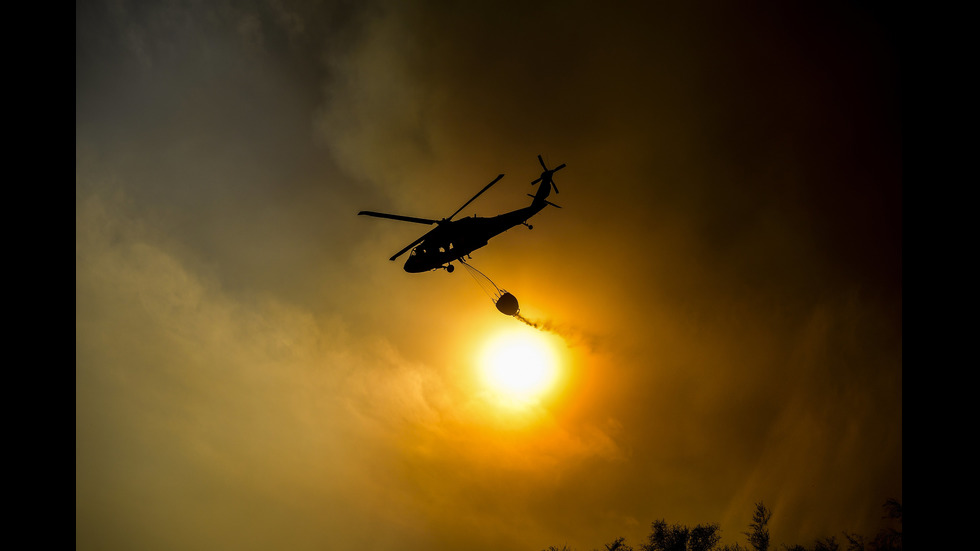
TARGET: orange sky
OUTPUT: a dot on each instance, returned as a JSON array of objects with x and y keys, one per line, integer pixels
[{"x": 722, "y": 283}]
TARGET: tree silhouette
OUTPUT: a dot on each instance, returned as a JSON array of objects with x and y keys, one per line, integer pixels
[
  {"x": 887, "y": 539},
  {"x": 890, "y": 539},
  {"x": 759, "y": 536},
  {"x": 825, "y": 544},
  {"x": 706, "y": 537},
  {"x": 618, "y": 545},
  {"x": 677, "y": 537},
  {"x": 667, "y": 538}
]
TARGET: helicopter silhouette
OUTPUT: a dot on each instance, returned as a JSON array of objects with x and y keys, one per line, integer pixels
[{"x": 451, "y": 240}]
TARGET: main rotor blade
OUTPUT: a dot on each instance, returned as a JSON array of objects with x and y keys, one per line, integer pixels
[
  {"x": 540, "y": 160},
  {"x": 397, "y": 217},
  {"x": 495, "y": 180},
  {"x": 556, "y": 169}
]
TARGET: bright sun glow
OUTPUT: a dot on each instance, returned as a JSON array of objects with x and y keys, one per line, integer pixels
[{"x": 519, "y": 366}]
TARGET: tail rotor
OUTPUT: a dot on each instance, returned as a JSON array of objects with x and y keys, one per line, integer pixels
[{"x": 547, "y": 176}]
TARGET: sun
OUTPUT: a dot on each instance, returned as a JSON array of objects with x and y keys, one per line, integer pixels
[{"x": 519, "y": 366}]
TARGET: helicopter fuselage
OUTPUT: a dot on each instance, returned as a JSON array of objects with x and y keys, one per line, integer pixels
[{"x": 455, "y": 239}]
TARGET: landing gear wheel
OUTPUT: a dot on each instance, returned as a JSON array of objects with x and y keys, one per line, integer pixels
[{"x": 450, "y": 268}]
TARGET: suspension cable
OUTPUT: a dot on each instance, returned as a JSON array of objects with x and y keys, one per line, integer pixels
[{"x": 473, "y": 271}]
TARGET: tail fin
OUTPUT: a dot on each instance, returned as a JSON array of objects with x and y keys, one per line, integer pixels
[{"x": 538, "y": 201}]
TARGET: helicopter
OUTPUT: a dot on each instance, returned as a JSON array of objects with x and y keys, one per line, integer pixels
[{"x": 452, "y": 240}]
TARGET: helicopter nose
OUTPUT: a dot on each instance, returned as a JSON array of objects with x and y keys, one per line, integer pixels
[
  {"x": 418, "y": 263},
  {"x": 413, "y": 266}
]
